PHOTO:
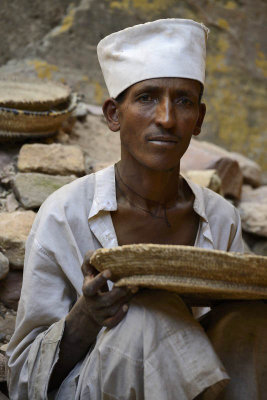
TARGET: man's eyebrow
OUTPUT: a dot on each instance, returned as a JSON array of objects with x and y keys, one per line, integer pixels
[
  {"x": 153, "y": 89},
  {"x": 148, "y": 88},
  {"x": 186, "y": 92}
]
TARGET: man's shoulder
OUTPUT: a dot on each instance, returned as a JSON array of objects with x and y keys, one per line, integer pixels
[
  {"x": 215, "y": 202},
  {"x": 75, "y": 193},
  {"x": 74, "y": 200},
  {"x": 212, "y": 204}
]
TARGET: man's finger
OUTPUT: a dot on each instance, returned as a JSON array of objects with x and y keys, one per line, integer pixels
[
  {"x": 91, "y": 286},
  {"x": 114, "y": 296},
  {"x": 113, "y": 321},
  {"x": 87, "y": 267}
]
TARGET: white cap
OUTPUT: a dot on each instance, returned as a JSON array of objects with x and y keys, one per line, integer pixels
[{"x": 166, "y": 48}]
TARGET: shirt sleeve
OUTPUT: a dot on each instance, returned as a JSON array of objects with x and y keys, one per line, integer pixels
[
  {"x": 236, "y": 243},
  {"x": 46, "y": 298}
]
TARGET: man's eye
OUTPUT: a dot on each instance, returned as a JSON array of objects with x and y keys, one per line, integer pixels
[
  {"x": 145, "y": 98},
  {"x": 184, "y": 101}
]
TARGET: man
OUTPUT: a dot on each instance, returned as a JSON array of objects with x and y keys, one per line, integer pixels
[{"x": 74, "y": 339}]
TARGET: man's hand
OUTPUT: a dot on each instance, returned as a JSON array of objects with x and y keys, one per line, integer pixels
[
  {"x": 97, "y": 307},
  {"x": 106, "y": 308}
]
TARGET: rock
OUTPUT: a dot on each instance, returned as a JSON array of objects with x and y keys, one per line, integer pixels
[
  {"x": 206, "y": 178},
  {"x": 10, "y": 289},
  {"x": 254, "y": 217},
  {"x": 97, "y": 141},
  {"x": 7, "y": 174},
  {"x": 3, "y": 373},
  {"x": 14, "y": 230},
  {"x": 247, "y": 248},
  {"x": 200, "y": 155},
  {"x": 231, "y": 177},
  {"x": 32, "y": 189},
  {"x": 3, "y": 397},
  {"x": 204, "y": 155},
  {"x": 7, "y": 325},
  {"x": 258, "y": 195},
  {"x": 264, "y": 178},
  {"x": 11, "y": 202},
  {"x": 54, "y": 159},
  {"x": 98, "y": 166},
  {"x": 250, "y": 169},
  {"x": 260, "y": 248},
  {"x": 82, "y": 109},
  {"x": 4, "y": 266}
]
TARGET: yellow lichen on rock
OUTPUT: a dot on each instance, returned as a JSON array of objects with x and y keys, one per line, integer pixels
[
  {"x": 216, "y": 62},
  {"x": 230, "y": 5},
  {"x": 145, "y": 6},
  {"x": 261, "y": 62},
  {"x": 235, "y": 104},
  {"x": 43, "y": 69},
  {"x": 66, "y": 23},
  {"x": 98, "y": 92},
  {"x": 234, "y": 109},
  {"x": 222, "y": 23}
]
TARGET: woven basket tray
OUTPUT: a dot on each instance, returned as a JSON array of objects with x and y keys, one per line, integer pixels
[
  {"x": 187, "y": 270},
  {"x": 35, "y": 96},
  {"x": 14, "y": 120}
]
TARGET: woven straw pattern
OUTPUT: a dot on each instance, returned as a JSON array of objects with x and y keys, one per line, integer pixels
[
  {"x": 13, "y": 120},
  {"x": 32, "y": 95},
  {"x": 185, "y": 269}
]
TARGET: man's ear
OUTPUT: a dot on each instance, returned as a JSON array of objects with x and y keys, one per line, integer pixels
[
  {"x": 202, "y": 112},
  {"x": 111, "y": 112}
]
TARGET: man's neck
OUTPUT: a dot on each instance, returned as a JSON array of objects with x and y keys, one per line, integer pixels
[{"x": 151, "y": 185}]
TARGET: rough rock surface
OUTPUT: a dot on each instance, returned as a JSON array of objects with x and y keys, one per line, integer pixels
[
  {"x": 203, "y": 155},
  {"x": 14, "y": 230},
  {"x": 7, "y": 323},
  {"x": 54, "y": 159},
  {"x": 231, "y": 177},
  {"x": 4, "y": 266},
  {"x": 207, "y": 178},
  {"x": 200, "y": 155},
  {"x": 32, "y": 189},
  {"x": 260, "y": 248},
  {"x": 97, "y": 141},
  {"x": 254, "y": 217},
  {"x": 10, "y": 289},
  {"x": 258, "y": 195},
  {"x": 250, "y": 169},
  {"x": 11, "y": 202}
]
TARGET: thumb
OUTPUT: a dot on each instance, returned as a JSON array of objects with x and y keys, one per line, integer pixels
[{"x": 87, "y": 268}]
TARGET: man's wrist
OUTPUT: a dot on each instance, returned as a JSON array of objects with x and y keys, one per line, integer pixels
[{"x": 79, "y": 321}]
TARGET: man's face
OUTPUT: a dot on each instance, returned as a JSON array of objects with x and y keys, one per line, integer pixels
[{"x": 157, "y": 119}]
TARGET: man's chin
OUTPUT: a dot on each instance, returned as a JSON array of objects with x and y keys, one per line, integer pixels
[{"x": 161, "y": 165}]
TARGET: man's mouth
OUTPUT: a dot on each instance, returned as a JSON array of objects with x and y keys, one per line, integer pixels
[{"x": 161, "y": 140}]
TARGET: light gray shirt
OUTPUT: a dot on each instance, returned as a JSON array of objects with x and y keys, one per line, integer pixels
[{"x": 73, "y": 220}]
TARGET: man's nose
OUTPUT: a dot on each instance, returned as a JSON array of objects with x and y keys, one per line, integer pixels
[{"x": 165, "y": 113}]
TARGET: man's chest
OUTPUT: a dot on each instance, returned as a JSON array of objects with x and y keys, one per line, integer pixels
[{"x": 161, "y": 227}]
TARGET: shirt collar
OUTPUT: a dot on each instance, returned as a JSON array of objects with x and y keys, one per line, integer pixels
[
  {"x": 105, "y": 198},
  {"x": 199, "y": 202},
  {"x": 105, "y": 192},
  {"x": 199, "y": 207}
]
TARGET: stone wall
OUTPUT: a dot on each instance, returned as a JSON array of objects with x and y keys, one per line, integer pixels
[{"x": 57, "y": 40}]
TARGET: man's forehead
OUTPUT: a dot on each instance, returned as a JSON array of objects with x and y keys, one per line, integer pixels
[{"x": 174, "y": 84}]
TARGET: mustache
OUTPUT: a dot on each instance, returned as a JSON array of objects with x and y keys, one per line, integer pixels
[{"x": 163, "y": 136}]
